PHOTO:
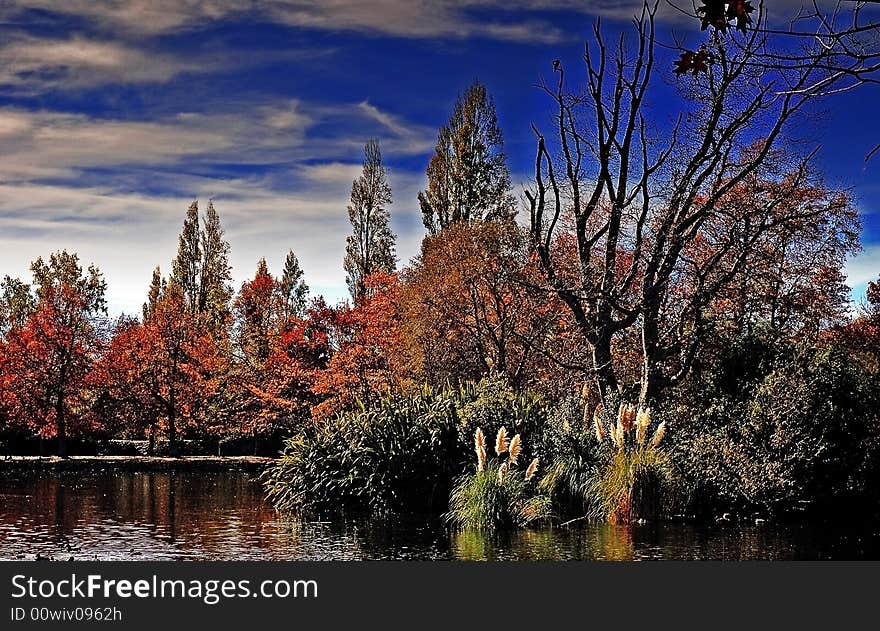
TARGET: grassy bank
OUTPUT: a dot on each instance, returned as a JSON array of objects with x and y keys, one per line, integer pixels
[{"x": 251, "y": 464}]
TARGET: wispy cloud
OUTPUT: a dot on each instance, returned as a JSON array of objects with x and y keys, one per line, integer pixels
[
  {"x": 399, "y": 18},
  {"x": 115, "y": 190},
  {"x": 35, "y": 64},
  {"x": 51, "y": 144}
]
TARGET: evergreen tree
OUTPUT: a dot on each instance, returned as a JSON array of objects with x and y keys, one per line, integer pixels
[
  {"x": 468, "y": 178},
  {"x": 186, "y": 267},
  {"x": 293, "y": 288},
  {"x": 215, "y": 290},
  {"x": 370, "y": 247}
]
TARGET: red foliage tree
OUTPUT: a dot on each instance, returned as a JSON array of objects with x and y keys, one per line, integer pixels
[
  {"x": 165, "y": 372},
  {"x": 277, "y": 357},
  {"x": 366, "y": 362},
  {"x": 46, "y": 359}
]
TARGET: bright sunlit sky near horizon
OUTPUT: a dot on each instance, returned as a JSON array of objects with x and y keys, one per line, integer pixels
[{"x": 114, "y": 116}]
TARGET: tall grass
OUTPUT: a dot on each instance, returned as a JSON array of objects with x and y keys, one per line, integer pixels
[
  {"x": 635, "y": 470},
  {"x": 498, "y": 494},
  {"x": 402, "y": 453}
]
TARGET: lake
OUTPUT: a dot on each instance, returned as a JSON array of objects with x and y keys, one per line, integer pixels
[{"x": 223, "y": 516}]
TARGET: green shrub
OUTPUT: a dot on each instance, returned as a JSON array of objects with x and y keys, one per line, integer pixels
[
  {"x": 492, "y": 403},
  {"x": 571, "y": 452},
  {"x": 804, "y": 434},
  {"x": 400, "y": 454}
]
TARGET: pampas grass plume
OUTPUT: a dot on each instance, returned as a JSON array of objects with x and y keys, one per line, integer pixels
[
  {"x": 515, "y": 449},
  {"x": 532, "y": 468},
  {"x": 659, "y": 434},
  {"x": 501, "y": 441}
]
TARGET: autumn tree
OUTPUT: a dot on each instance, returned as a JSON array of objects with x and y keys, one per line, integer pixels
[
  {"x": 279, "y": 397},
  {"x": 49, "y": 355},
  {"x": 366, "y": 361},
  {"x": 117, "y": 379},
  {"x": 215, "y": 290},
  {"x": 158, "y": 285},
  {"x": 185, "y": 269},
  {"x": 169, "y": 367},
  {"x": 471, "y": 305},
  {"x": 468, "y": 177},
  {"x": 370, "y": 247},
  {"x": 872, "y": 298},
  {"x": 792, "y": 281},
  {"x": 17, "y": 302},
  {"x": 292, "y": 288},
  {"x": 253, "y": 308},
  {"x": 636, "y": 198}
]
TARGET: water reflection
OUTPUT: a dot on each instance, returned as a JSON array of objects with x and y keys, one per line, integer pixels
[{"x": 223, "y": 516}]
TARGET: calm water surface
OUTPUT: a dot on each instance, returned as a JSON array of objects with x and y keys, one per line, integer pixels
[{"x": 132, "y": 516}]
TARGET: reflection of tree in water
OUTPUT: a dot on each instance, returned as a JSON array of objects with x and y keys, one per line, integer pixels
[
  {"x": 224, "y": 516},
  {"x": 116, "y": 514},
  {"x": 614, "y": 543}
]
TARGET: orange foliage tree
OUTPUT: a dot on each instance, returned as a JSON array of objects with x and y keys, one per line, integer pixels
[
  {"x": 471, "y": 305},
  {"x": 167, "y": 369},
  {"x": 46, "y": 359},
  {"x": 367, "y": 361},
  {"x": 277, "y": 356}
]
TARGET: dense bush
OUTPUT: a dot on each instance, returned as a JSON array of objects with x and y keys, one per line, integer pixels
[
  {"x": 401, "y": 453},
  {"x": 570, "y": 453},
  {"x": 800, "y": 432}
]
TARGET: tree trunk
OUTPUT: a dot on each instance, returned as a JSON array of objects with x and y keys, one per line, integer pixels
[
  {"x": 61, "y": 426},
  {"x": 172, "y": 432},
  {"x": 652, "y": 375},
  {"x": 603, "y": 364}
]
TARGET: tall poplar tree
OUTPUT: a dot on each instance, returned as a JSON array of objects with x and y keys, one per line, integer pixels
[
  {"x": 215, "y": 290},
  {"x": 186, "y": 267},
  {"x": 370, "y": 247},
  {"x": 293, "y": 288},
  {"x": 157, "y": 288},
  {"x": 468, "y": 179},
  {"x": 201, "y": 268}
]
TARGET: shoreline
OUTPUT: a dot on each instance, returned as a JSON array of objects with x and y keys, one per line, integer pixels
[{"x": 250, "y": 464}]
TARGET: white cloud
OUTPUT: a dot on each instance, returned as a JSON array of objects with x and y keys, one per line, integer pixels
[
  {"x": 116, "y": 190},
  {"x": 51, "y": 144},
  {"x": 401, "y": 18},
  {"x": 863, "y": 268},
  {"x": 29, "y": 63},
  {"x": 511, "y": 20},
  {"x": 127, "y": 235}
]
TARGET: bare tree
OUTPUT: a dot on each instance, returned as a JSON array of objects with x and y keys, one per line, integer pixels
[{"x": 619, "y": 204}]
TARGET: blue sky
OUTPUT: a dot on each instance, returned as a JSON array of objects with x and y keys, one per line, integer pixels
[{"x": 115, "y": 115}]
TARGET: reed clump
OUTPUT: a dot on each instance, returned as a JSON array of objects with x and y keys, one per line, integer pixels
[
  {"x": 634, "y": 468},
  {"x": 498, "y": 494}
]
